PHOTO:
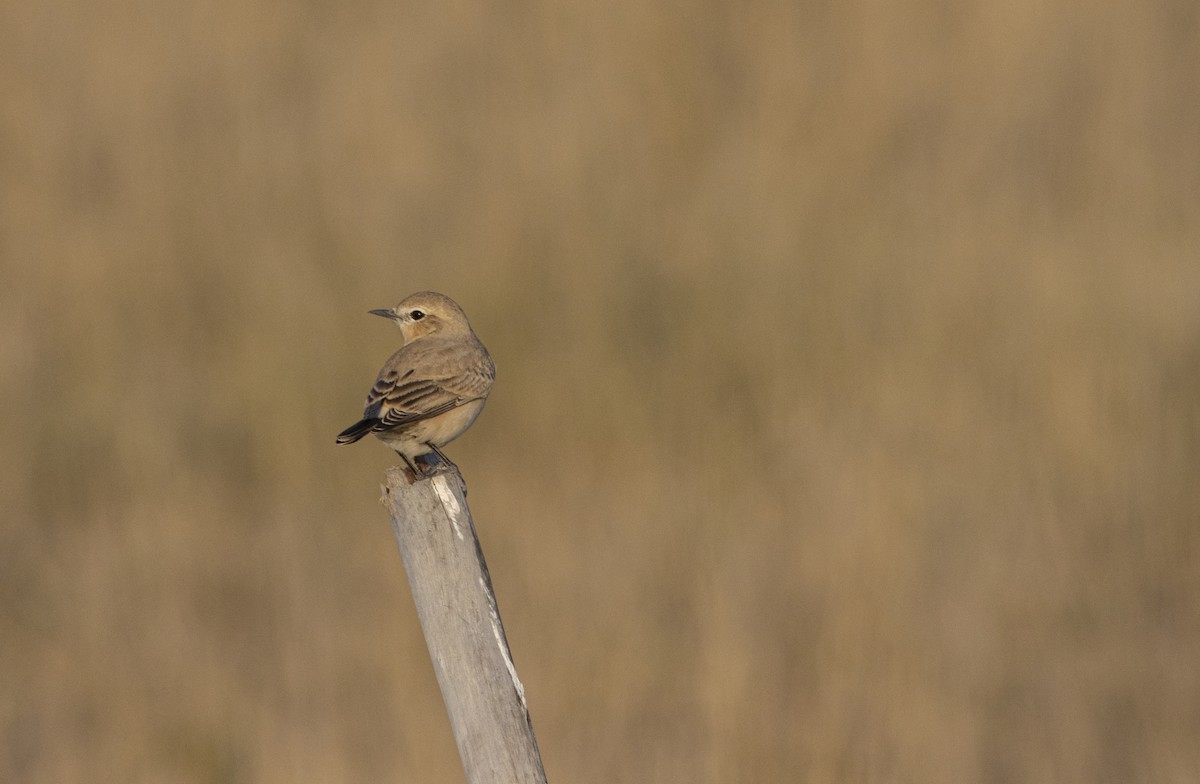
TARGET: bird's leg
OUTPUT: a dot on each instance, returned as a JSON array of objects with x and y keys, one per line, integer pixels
[
  {"x": 411, "y": 466},
  {"x": 442, "y": 455}
]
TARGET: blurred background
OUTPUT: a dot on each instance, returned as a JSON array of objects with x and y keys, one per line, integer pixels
[{"x": 847, "y": 420}]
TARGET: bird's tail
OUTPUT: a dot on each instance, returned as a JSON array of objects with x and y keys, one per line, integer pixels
[{"x": 357, "y": 431}]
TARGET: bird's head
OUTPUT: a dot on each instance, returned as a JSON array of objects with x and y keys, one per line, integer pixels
[{"x": 427, "y": 313}]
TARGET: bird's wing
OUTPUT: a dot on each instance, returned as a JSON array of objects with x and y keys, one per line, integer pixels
[{"x": 406, "y": 391}]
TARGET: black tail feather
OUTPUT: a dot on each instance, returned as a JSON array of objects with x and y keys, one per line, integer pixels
[{"x": 357, "y": 431}]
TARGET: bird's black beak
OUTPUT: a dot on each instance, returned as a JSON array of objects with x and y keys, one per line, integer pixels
[{"x": 385, "y": 312}]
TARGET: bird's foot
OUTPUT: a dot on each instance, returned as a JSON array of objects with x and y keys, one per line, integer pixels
[
  {"x": 428, "y": 465},
  {"x": 444, "y": 463},
  {"x": 411, "y": 466}
]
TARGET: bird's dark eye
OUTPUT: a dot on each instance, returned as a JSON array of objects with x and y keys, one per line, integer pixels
[{"x": 417, "y": 315}]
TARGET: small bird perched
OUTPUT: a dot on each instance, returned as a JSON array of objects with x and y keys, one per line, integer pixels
[{"x": 430, "y": 391}]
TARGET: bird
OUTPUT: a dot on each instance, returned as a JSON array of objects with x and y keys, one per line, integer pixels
[{"x": 430, "y": 391}]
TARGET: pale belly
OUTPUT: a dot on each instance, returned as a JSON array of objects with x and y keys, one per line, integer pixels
[{"x": 412, "y": 440}]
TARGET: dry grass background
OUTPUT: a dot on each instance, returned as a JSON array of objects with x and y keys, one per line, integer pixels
[{"x": 847, "y": 425}]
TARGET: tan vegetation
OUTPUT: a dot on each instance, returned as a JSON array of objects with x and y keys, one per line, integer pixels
[{"x": 846, "y": 425}]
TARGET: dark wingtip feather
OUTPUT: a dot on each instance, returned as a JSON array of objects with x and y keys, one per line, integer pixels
[{"x": 356, "y": 431}]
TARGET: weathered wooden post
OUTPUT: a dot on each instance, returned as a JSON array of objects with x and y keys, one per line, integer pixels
[{"x": 457, "y": 608}]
